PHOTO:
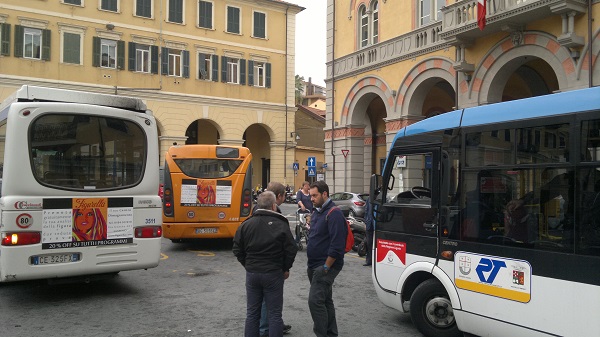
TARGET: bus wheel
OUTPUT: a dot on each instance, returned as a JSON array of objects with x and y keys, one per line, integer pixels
[{"x": 431, "y": 310}]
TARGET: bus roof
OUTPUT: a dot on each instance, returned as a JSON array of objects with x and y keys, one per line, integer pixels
[
  {"x": 539, "y": 106},
  {"x": 203, "y": 151},
  {"x": 28, "y": 93}
]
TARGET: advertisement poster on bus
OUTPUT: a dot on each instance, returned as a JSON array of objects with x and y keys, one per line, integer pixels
[
  {"x": 206, "y": 193},
  {"x": 83, "y": 222},
  {"x": 493, "y": 275},
  {"x": 391, "y": 253}
]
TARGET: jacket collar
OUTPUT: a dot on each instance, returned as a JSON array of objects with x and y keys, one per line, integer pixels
[{"x": 268, "y": 212}]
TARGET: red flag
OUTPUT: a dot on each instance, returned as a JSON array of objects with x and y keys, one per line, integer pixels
[{"x": 481, "y": 13}]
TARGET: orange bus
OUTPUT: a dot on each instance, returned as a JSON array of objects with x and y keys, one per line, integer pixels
[{"x": 207, "y": 191}]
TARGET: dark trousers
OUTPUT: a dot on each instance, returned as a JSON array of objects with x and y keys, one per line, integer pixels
[
  {"x": 320, "y": 301},
  {"x": 267, "y": 286},
  {"x": 369, "y": 238}
]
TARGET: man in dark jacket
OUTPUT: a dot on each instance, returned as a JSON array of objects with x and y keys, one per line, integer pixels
[
  {"x": 325, "y": 252},
  {"x": 264, "y": 245}
]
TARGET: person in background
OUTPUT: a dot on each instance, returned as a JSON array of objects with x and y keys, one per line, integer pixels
[
  {"x": 369, "y": 233},
  {"x": 303, "y": 198},
  {"x": 305, "y": 205},
  {"x": 279, "y": 190},
  {"x": 264, "y": 245},
  {"x": 325, "y": 251}
]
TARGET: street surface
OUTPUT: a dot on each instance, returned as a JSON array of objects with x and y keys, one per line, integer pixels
[{"x": 197, "y": 290}]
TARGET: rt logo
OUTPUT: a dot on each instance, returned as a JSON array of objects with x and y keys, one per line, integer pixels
[{"x": 489, "y": 266}]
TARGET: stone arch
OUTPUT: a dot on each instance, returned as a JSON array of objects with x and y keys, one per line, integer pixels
[
  {"x": 509, "y": 54},
  {"x": 361, "y": 94},
  {"x": 417, "y": 83}
]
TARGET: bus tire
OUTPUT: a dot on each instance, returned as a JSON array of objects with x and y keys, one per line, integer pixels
[{"x": 431, "y": 310}]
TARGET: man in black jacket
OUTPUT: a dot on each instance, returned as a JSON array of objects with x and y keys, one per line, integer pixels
[{"x": 264, "y": 245}]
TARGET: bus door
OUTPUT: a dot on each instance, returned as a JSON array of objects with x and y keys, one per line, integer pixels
[{"x": 407, "y": 221}]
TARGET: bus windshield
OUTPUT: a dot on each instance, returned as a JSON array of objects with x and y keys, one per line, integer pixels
[{"x": 82, "y": 152}]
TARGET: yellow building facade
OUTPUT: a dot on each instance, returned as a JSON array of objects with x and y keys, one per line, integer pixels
[
  {"x": 212, "y": 72},
  {"x": 393, "y": 63}
]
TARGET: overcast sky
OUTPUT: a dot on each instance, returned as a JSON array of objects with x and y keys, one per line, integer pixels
[{"x": 310, "y": 40}]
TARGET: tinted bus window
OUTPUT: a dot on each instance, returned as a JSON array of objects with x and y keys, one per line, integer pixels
[
  {"x": 208, "y": 168},
  {"x": 86, "y": 152}
]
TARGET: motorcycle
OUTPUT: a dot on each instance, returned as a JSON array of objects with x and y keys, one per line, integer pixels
[{"x": 359, "y": 229}]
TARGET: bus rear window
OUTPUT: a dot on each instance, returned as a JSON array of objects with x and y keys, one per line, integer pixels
[
  {"x": 81, "y": 152},
  {"x": 208, "y": 168}
]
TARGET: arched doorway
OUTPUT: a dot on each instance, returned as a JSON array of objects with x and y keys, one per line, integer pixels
[
  {"x": 257, "y": 139},
  {"x": 202, "y": 132}
]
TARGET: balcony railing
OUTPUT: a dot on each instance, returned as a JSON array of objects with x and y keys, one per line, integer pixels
[{"x": 459, "y": 26}]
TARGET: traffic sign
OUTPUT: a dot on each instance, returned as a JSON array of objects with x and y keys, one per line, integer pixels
[
  {"x": 296, "y": 166},
  {"x": 345, "y": 153},
  {"x": 324, "y": 165},
  {"x": 312, "y": 172},
  {"x": 312, "y": 161}
]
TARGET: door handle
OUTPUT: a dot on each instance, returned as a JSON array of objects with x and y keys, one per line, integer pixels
[{"x": 429, "y": 226}]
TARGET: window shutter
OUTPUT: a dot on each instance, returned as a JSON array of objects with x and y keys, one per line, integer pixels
[
  {"x": 224, "y": 69},
  {"x": 120, "y": 54},
  {"x": 46, "y": 44},
  {"x": 132, "y": 56},
  {"x": 5, "y": 38},
  {"x": 250, "y": 73},
  {"x": 268, "y": 76},
  {"x": 154, "y": 59},
  {"x": 215, "y": 68},
  {"x": 242, "y": 71},
  {"x": 96, "y": 52},
  {"x": 164, "y": 62},
  {"x": 19, "y": 31},
  {"x": 186, "y": 63},
  {"x": 202, "y": 66}
]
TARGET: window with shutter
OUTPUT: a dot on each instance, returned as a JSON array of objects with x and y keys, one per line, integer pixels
[
  {"x": 205, "y": 13},
  {"x": 175, "y": 11},
  {"x": 71, "y": 52},
  {"x": 143, "y": 8},
  {"x": 260, "y": 25},
  {"x": 142, "y": 58},
  {"x": 72, "y": 2},
  {"x": 233, "y": 20},
  {"x": 108, "y": 53},
  {"x": 4, "y": 39},
  {"x": 109, "y": 5},
  {"x": 205, "y": 66}
]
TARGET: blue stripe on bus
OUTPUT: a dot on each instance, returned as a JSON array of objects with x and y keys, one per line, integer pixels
[{"x": 528, "y": 108}]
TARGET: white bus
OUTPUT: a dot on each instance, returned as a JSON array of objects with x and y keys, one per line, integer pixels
[
  {"x": 488, "y": 219},
  {"x": 79, "y": 178}
]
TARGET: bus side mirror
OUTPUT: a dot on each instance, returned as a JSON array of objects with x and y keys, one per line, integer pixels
[{"x": 374, "y": 187}]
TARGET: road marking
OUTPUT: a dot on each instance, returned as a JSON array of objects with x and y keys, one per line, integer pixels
[
  {"x": 163, "y": 256},
  {"x": 201, "y": 253}
]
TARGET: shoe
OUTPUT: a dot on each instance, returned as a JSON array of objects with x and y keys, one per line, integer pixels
[
  {"x": 366, "y": 264},
  {"x": 287, "y": 328}
]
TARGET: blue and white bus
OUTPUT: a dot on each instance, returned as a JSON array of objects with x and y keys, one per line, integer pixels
[{"x": 488, "y": 219}]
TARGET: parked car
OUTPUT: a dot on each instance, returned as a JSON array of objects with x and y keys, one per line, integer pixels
[{"x": 354, "y": 201}]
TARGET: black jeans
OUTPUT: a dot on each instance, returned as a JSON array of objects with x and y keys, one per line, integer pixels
[
  {"x": 320, "y": 301},
  {"x": 267, "y": 286},
  {"x": 369, "y": 244}
]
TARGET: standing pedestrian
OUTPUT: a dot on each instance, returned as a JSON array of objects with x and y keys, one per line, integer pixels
[
  {"x": 279, "y": 191},
  {"x": 325, "y": 252},
  {"x": 305, "y": 205},
  {"x": 369, "y": 232},
  {"x": 264, "y": 245}
]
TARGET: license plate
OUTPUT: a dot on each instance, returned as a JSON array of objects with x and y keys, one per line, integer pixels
[
  {"x": 206, "y": 230},
  {"x": 54, "y": 258}
]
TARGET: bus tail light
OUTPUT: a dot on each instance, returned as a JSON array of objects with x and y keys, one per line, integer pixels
[
  {"x": 148, "y": 232},
  {"x": 168, "y": 202},
  {"x": 246, "y": 203},
  {"x": 21, "y": 238}
]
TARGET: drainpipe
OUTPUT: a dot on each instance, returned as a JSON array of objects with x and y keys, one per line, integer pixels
[
  {"x": 590, "y": 49},
  {"x": 285, "y": 146},
  {"x": 333, "y": 96}
]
